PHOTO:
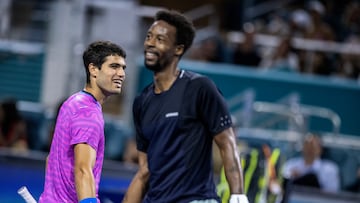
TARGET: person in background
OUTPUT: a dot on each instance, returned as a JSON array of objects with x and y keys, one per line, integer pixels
[
  {"x": 321, "y": 63},
  {"x": 310, "y": 169},
  {"x": 320, "y": 29},
  {"x": 246, "y": 53},
  {"x": 282, "y": 57},
  {"x": 52, "y": 126},
  {"x": 13, "y": 127},
  {"x": 176, "y": 118},
  {"x": 75, "y": 160},
  {"x": 209, "y": 49}
]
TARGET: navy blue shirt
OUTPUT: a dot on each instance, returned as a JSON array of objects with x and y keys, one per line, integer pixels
[{"x": 175, "y": 129}]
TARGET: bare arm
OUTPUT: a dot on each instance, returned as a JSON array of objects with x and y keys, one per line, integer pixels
[
  {"x": 85, "y": 157},
  {"x": 138, "y": 186},
  {"x": 226, "y": 141}
]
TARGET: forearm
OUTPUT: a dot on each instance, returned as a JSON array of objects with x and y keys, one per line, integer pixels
[
  {"x": 85, "y": 184},
  {"x": 136, "y": 190},
  {"x": 226, "y": 141},
  {"x": 139, "y": 184},
  {"x": 233, "y": 172}
]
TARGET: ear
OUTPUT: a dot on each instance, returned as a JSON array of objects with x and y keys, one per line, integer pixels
[
  {"x": 179, "y": 50},
  {"x": 93, "y": 70}
]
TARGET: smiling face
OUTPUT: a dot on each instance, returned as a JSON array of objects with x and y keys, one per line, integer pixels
[
  {"x": 160, "y": 47},
  {"x": 109, "y": 78}
]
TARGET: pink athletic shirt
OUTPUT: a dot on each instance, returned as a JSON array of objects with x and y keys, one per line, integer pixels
[{"x": 80, "y": 120}]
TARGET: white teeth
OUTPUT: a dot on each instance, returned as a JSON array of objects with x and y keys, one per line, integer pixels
[
  {"x": 117, "y": 82},
  {"x": 150, "y": 54}
]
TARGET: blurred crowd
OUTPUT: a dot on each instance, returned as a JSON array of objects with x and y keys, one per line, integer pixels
[
  {"x": 13, "y": 128},
  {"x": 327, "y": 21}
]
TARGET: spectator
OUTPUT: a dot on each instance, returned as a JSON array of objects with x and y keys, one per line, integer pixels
[
  {"x": 320, "y": 30},
  {"x": 351, "y": 19},
  {"x": 349, "y": 66},
  {"x": 209, "y": 49},
  {"x": 299, "y": 23},
  {"x": 310, "y": 169},
  {"x": 320, "y": 63},
  {"x": 283, "y": 57},
  {"x": 13, "y": 127},
  {"x": 245, "y": 53},
  {"x": 52, "y": 126},
  {"x": 277, "y": 24}
]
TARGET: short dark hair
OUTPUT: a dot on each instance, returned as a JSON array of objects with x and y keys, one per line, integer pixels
[
  {"x": 185, "y": 30},
  {"x": 96, "y": 53}
]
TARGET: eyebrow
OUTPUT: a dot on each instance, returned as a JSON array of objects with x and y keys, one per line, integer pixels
[
  {"x": 117, "y": 64},
  {"x": 157, "y": 34}
]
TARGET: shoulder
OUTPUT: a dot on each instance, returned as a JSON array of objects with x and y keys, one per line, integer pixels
[
  {"x": 193, "y": 76},
  {"x": 329, "y": 165},
  {"x": 79, "y": 102},
  {"x": 75, "y": 98},
  {"x": 197, "y": 80},
  {"x": 295, "y": 161}
]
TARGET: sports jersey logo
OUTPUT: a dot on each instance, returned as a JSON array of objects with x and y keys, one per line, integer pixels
[{"x": 172, "y": 114}]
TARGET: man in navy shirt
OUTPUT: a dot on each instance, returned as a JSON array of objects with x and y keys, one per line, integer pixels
[{"x": 177, "y": 117}]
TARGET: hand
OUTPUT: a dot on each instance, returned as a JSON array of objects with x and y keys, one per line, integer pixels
[
  {"x": 295, "y": 174},
  {"x": 238, "y": 198}
]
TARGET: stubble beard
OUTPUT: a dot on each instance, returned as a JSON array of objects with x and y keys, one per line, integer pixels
[{"x": 157, "y": 67}]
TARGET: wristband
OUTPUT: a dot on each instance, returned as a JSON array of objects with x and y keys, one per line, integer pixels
[
  {"x": 238, "y": 198},
  {"x": 88, "y": 200}
]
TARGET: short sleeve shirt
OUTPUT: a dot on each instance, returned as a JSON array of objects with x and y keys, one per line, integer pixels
[
  {"x": 326, "y": 171},
  {"x": 175, "y": 129},
  {"x": 80, "y": 120}
]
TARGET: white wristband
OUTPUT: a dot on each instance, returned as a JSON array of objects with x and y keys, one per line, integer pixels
[{"x": 238, "y": 198}]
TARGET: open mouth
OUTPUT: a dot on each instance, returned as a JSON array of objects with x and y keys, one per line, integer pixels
[
  {"x": 118, "y": 83},
  {"x": 150, "y": 55}
]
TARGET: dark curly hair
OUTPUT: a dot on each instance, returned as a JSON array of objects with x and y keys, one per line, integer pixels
[
  {"x": 96, "y": 53},
  {"x": 185, "y": 30}
]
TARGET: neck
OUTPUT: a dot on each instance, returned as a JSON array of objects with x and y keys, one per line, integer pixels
[
  {"x": 97, "y": 94},
  {"x": 163, "y": 80},
  {"x": 309, "y": 160}
]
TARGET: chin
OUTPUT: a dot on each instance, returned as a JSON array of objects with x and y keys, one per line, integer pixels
[
  {"x": 115, "y": 92},
  {"x": 154, "y": 67}
]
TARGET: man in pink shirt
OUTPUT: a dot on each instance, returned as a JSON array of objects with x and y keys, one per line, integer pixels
[{"x": 73, "y": 166}]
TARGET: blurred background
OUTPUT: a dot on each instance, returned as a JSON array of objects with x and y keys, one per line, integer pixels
[{"x": 285, "y": 67}]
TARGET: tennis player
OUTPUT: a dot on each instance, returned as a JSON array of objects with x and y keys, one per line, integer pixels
[
  {"x": 177, "y": 117},
  {"x": 77, "y": 150}
]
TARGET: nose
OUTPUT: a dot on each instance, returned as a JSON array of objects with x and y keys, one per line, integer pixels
[{"x": 121, "y": 72}]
